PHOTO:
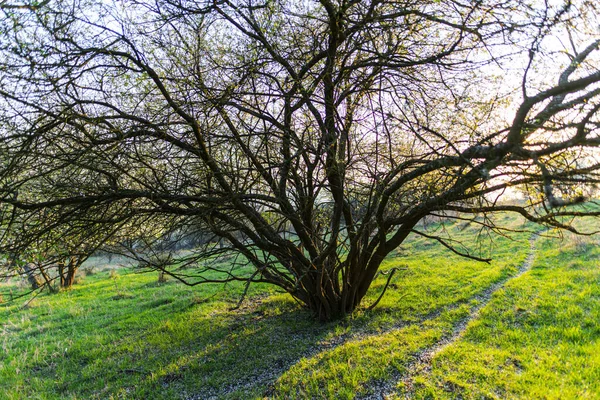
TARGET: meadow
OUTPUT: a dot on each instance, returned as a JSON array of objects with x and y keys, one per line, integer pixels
[{"x": 524, "y": 326}]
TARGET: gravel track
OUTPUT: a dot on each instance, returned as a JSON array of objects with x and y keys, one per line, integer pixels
[{"x": 421, "y": 364}]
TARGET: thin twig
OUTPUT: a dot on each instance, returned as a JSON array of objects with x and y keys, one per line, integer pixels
[{"x": 391, "y": 272}]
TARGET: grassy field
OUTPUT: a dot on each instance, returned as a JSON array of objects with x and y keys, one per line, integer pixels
[{"x": 447, "y": 328}]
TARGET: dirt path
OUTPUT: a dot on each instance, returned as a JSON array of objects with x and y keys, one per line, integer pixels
[{"x": 422, "y": 360}]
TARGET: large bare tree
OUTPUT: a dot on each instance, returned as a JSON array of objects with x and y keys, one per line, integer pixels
[{"x": 305, "y": 139}]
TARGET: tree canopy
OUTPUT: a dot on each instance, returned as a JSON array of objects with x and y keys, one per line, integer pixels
[{"x": 305, "y": 139}]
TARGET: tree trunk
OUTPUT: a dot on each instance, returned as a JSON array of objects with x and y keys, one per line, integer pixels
[
  {"x": 335, "y": 291},
  {"x": 329, "y": 308},
  {"x": 34, "y": 280},
  {"x": 69, "y": 278},
  {"x": 67, "y": 273},
  {"x": 329, "y": 301}
]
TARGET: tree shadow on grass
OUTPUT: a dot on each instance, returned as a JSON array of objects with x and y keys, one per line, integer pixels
[
  {"x": 165, "y": 341},
  {"x": 169, "y": 346},
  {"x": 183, "y": 351}
]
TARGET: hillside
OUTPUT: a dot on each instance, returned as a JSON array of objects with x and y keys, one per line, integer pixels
[{"x": 523, "y": 326}]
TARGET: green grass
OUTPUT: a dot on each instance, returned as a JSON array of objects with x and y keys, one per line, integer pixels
[
  {"x": 538, "y": 338},
  {"x": 132, "y": 338}
]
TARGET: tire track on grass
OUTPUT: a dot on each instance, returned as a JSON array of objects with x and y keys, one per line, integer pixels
[{"x": 421, "y": 363}]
